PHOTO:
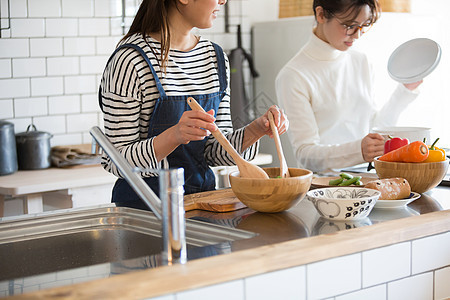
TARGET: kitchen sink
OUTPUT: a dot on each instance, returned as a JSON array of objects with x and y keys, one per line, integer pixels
[{"x": 62, "y": 240}]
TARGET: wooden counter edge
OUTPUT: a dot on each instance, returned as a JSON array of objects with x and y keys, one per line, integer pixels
[{"x": 197, "y": 273}]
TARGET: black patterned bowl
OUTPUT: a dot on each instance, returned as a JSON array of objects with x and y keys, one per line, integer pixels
[{"x": 343, "y": 203}]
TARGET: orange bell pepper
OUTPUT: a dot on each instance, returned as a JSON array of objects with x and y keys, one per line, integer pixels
[{"x": 435, "y": 154}]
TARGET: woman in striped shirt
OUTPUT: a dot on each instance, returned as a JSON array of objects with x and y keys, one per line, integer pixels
[{"x": 157, "y": 66}]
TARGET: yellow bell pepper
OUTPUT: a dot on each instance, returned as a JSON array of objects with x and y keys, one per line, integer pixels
[{"x": 435, "y": 154}]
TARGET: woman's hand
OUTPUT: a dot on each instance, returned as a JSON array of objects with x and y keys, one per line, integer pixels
[
  {"x": 260, "y": 127},
  {"x": 372, "y": 145},
  {"x": 194, "y": 126},
  {"x": 280, "y": 118},
  {"x": 413, "y": 86}
]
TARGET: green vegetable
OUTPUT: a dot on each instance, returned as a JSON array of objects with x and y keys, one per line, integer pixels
[
  {"x": 346, "y": 176},
  {"x": 336, "y": 181},
  {"x": 345, "y": 179},
  {"x": 350, "y": 181}
]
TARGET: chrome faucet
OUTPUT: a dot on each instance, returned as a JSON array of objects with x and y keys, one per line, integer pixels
[
  {"x": 172, "y": 198},
  {"x": 171, "y": 212}
]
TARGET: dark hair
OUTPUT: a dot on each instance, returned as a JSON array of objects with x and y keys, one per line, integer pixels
[
  {"x": 353, "y": 7},
  {"x": 152, "y": 17}
]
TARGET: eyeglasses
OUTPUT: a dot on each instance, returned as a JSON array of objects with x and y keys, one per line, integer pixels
[{"x": 352, "y": 29}]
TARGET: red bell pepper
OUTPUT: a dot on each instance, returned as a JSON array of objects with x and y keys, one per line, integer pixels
[{"x": 394, "y": 143}]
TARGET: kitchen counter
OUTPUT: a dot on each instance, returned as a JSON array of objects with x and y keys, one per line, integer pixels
[
  {"x": 33, "y": 184},
  {"x": 292, "y": 238}
]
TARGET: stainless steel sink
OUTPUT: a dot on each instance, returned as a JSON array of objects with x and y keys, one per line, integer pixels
[{"x": 61, "y": 240}]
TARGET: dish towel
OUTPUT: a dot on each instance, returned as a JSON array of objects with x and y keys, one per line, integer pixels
[{"x": 65, "y": 157}]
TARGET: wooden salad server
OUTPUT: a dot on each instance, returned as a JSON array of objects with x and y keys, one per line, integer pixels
[
  {"x": 284, "y": 170},
  {"x": 246, "y": 169}
]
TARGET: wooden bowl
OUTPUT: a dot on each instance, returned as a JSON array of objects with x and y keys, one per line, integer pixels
[
  {"x": 422, "y": 177},
  {"x": 273, "y": 194}
]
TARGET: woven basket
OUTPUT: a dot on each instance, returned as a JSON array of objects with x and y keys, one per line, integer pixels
[
  {"x": 295, "y": 8},
  {"x": 395, "y": 5}
]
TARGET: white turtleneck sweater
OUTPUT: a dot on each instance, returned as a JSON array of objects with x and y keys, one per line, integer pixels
[{"x": 328, "y": 97}]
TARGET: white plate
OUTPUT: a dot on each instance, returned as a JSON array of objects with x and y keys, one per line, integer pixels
[
  {"x": 410, "y": 133},
  {"x": 413, "y": 60},
  {"x": 397, "y": 203}
]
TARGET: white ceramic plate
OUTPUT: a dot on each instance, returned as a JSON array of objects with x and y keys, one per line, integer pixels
[
  {"x": 413, "y": 60},
  {"x": 397, "y": 203}
]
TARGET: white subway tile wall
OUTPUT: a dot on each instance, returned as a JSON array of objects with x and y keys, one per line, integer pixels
[
  {"x": 29, "y": 107},
  {"x": 27, "y": 28},
  {"x": 6, "y": 109},
  {"x": 286, "y": 284},
  {"x": 79, "y": 8},
  {"x": 81, "y": 121},
  {"x": 5, "y": 68},
  {"x": 55, "y": 124},
  {"x": 431, "y": 252},
  {"x": 28, "y": 67},
  {"x": 61, "y": 27},
  {"x": 10, "y": 48},
  {"x": 53, "y": 55},
  {"x": 386, "y": 264},
  {"x": 43, "y": 8},
  {"x": 334, "y": 276},
  {"x": 46, "y": 47},
  {"x": 441, "y": 283},
  {"x": 67, "y": 65},
  {"x": 64, "y": 104},
  {"x": 223, "y": 291},
  {"x": 13, "y": 88},
  {"x": 18, "y": 8},
  {"x": 89, "y": 103},
  {"x": 102, "y": 8},
  {"x": 47, "y": 86},
  {"x": 80, "y": 84},
  {"x": 419, "y": 287},
  {"x": 374, "y": 293},
  {"x": 90, "y": 64},
  {"x": 94, "y": 26}
]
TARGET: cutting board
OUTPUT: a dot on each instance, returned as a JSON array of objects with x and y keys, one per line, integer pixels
[{"x": 222, "y": 200}]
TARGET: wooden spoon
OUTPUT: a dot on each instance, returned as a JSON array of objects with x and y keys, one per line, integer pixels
[
  {"x": 284, "y": 170},
  {"x": 246, "y": 169}
]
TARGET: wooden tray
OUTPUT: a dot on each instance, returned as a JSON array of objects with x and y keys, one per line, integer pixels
[{"x": 222, "y": 200}]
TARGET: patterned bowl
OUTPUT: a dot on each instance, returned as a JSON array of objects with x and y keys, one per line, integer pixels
[{"x": 343, "y": 203}]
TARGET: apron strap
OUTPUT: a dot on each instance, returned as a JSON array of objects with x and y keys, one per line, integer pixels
[
  {"x": 139, "y": 49},
  {"x": 222, "y": 70}
]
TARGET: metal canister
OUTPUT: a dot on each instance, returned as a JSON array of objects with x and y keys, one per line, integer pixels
[
  {"x": 8, "y": 154},
  {"x": 33, "y": 149}
]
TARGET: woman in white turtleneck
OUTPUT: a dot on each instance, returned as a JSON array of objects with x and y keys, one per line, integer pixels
[{"x": 327, "y": 92}]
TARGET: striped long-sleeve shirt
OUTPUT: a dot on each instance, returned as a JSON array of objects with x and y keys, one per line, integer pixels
[{"x": 129, "y": 93}]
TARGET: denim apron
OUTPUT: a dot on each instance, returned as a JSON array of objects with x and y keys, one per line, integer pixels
[{"x": 167, "y": 112}]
